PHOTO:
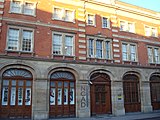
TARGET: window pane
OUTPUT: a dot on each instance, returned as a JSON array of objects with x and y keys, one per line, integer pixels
[
  {"x": 154, "y": 32},
  {"x": 65, "y": 96},
  {"x": 147, "y": 31},
  {"x": 52, "y": 96},
  {"x": 107, "y": 50},
  {"x": 27, "y": 40},
  {"x": 13, "y": 96},
  {"x": 91, "y": 54},
  {"x": 5, "y": 82},
  {"x": 150, "y": 55},
  {"x": 99, "y": 49},
  {"x": 130, "y": 27},
  {"x": 105, "y": 20},
  {"x": 28, "y": 83},
  {"x": 122, "y": 25},
  {"x": 16, "y": 6},
  {"x": 5, "y": 96},
  {"x": 20, "y": 96},
  {"x": 68, "y": 45},
  {"x": 13, "y": 36},
  {"x": 66, "y": 84},
  {"x": 124, "y": 52},
  {"x": 57, "y": 42},
  {"x": 52, "y": 84},
  {"x": 156, "y": 55},
  {"x": 72, "y": 96},
  {"x": 59, "y": 84},
  {"x": 20, "y": 83},
  {"x": 71, "y": 84},
  {"x": 90, "y": 19},
  {"x": 57, "y": 13},
  {"x": 69, "y": 15},
  {"x": 28, "y": 96},
  {"x": 59, "y": 96},
  {"x": 29, "y": 8},
  {"x": 13, "y": 82},
  {"x": 133, "y": 52}
]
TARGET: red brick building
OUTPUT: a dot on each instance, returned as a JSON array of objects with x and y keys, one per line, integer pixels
[{"x": 68, "y": 58}]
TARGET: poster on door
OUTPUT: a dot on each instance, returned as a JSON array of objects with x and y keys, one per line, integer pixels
[
  {"x": 72, "y": 96},
  {"x": 28, "y": 96},
  {"x": 13, "y": 96},
  {"x": 65, "y": 96},
  {"x": 5, "y": 96},
  {"x": 20, "y": 96},
  {"x": 52, "y": 96},
  {"x": 59, "y": 96}
]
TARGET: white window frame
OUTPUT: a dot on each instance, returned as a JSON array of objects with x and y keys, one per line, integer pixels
[
  {"x": 126, "y": 26},
  {"x": 63, "y": 43},
  {"x": 54, "y": 13},
  {"x": 108, "y": 22},
  {"x": 150, "y": 31},
  {"x": 72, "y": 15},
  {"x": 22, "y": 7},
  {"x": 153, "y": 57},
  {"x": 20, "y": 39},
  {"x": 128, "y": 52},
  {"x": 95, "y": 39},
  {"x": 63, "y": 14},
  {"x": 94, "y": 19}
]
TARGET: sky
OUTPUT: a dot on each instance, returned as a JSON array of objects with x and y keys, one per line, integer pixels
[{"x": 149, "y": 4}]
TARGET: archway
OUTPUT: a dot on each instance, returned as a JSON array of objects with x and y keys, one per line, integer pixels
[
  {"x": 155, "y": 91},
  {"x": 62, "y": 94},
  {"x": 100, "y": 94},
  {"x": 16, "y": 97},
  {"x": 131, "y": 93}
]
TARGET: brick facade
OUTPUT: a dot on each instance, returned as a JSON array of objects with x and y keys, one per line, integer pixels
[{"x": 41, "y": 61}]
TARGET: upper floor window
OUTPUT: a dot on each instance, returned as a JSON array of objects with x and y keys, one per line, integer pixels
[
  {"x": 63, "y": 44},
  {"x": 91, "y": 19},
  {"x": 21, "y": 7},
  {"x": 127, "y": 26},
  {"x": 129, "y": 52},
  {"x": 99, "y": 48},
  {"x": 105, "y": 22},
  {"x": 63, "y": 14},
  {"x": 20, "y": 39},
  {"x": 150, "y": 31},
  {"x": 153, "y": 55}
]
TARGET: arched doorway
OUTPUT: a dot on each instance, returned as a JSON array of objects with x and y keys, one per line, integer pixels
[
  {"x": 62, "y": 94},
  {"x": 16, "y": 94},
  {"x": 100, "y": 94},
  {"x": 131, "y": 93},
  {"x": 155, "y": 91}
]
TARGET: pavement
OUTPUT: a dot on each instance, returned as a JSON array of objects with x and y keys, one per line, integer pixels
[{"x": 155, "y": 115}]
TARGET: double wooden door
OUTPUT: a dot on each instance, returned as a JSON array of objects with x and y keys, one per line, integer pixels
[
  {"x": 131, "y": 94},
  {"x": 16, "y": 94},
  {"x": 155, "y": 92},
  {"x": 100, "y": 95},
  {"x": 62, "y": 95}
]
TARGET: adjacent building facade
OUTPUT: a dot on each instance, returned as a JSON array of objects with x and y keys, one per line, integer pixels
[{"x": 77, "y": 58}]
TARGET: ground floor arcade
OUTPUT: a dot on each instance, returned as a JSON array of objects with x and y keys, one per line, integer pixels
[{"x": 40, "y": 89}]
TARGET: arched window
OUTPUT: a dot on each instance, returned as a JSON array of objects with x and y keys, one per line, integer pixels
[
  {"x": 100, "y": 93},
  {"x": 131, "y": 93},
  {"x": 155, "y": 91},
  {"x": 16, "y": 93},
  {"x": 62, "y": 94}
]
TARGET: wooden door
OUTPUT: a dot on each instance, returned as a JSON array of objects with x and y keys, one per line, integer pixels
[
  {"x": 155, "y": 92},
  {"x": 62, "y": 95},
  {"x": 16, "y": 95},
  {"x": 131, "y": 94},
  {"x": 100, "y": 95}
]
